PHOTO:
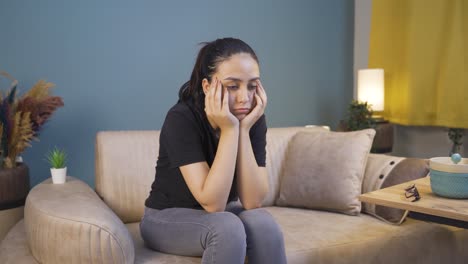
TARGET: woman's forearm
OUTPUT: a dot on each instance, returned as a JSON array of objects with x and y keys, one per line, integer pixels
[
  {"x": 218, "y": 183},
  {"x": 252, "y": 181}
]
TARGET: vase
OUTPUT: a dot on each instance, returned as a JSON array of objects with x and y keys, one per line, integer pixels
[
  {"x": 14, "y": 186},
  {"x": 59, "y": 176}
]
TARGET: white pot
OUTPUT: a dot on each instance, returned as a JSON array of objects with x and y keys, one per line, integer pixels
[{"x": 58, "y": 175}]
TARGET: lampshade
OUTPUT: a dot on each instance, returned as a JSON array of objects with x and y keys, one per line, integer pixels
[{"x": 371, "y": 88}]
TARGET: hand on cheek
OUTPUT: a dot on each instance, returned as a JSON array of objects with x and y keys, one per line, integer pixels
[
  {"x": 254, "y": 101},
  {"x": 217, "y": 107},
  {"x": 259, "y": 102}
]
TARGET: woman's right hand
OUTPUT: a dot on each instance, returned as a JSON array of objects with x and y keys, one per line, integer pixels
[{"x": 217, "y": 107}]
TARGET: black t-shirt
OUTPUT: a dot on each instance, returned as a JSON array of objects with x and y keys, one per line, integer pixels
[{"x": 187, "y": 137}]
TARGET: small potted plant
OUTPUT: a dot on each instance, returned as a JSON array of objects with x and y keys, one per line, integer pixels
[
  {"x": 57, "y": 159},
  {"x": 360, "y": 116}
]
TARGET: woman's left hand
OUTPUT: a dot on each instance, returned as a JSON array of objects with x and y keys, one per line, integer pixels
[{"x": 260, "y": 104}]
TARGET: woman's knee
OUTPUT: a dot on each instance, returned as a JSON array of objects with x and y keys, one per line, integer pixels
[
  {"x": 227, "y": 227},
  {"x": 259, "y": 221}
]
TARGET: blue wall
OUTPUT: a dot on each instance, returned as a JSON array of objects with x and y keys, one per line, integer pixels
[{"x": 118, "y": 65}]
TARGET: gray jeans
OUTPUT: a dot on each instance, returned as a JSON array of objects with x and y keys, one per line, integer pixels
[{"x": 223, "y": 237}]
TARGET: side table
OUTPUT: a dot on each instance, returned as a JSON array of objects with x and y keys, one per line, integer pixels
[{"x": 429, "y": 208}]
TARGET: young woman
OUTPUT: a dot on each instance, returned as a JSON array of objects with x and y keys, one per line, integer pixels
[{"x": 211, "y": 156}]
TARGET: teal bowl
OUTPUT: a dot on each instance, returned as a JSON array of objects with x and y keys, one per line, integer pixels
[{"x": 448, "y": 179}]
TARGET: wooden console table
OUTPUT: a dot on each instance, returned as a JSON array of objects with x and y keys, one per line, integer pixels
[{"x": 429, "y": 208}]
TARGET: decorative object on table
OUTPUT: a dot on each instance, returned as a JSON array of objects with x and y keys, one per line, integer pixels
[
  {"x": 456, "y": 136},
  {"x": 365, "y": 111},
  {"x": 449, "y": 176},
  {"x": 57, "y": 159},
  {"x": 412, "y": 192},
  {"x": 21, "y": 120}
]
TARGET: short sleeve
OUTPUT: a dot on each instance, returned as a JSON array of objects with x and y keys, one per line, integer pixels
[
  {"x": 182, "y": 138},
  {"x": 258, "y": 140}
]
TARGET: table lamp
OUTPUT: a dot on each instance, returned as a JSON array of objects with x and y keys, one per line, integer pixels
[{"x": 370, "y": 89}]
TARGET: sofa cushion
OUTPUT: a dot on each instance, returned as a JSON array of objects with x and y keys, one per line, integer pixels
[
  {"x": 278, "y": 139},
  {"x": 383, "y": 171},
  {"x": 324, "y": 170}
]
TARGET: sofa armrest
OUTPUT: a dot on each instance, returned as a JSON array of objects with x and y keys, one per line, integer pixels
[
  {"x": 385, "y": 170},
  {"x": 68, "y": 223}
]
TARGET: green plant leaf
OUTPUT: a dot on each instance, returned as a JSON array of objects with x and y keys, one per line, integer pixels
[
  {"x": 360, "y": 116},
  {"x": 57, "y": 158}
]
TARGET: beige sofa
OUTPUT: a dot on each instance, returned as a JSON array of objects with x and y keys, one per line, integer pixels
[{"x": 72, "y": 223}]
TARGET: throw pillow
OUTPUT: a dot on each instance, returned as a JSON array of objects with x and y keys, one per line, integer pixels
[{"x": 324, "y": 170}]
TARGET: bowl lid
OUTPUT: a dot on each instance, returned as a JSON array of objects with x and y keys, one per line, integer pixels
[{"x": 446, "y": 164}]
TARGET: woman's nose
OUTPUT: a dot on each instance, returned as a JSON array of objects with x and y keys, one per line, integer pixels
[{"x": 243, "y": 96}]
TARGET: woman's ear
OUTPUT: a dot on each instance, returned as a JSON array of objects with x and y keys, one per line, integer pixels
[{"x": 205, "y": 85}]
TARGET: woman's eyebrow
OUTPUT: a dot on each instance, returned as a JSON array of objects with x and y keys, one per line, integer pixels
[{"x": 239, "y": 80}]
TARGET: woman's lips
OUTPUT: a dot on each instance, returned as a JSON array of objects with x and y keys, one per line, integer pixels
[{"x": 242, "y": 110}]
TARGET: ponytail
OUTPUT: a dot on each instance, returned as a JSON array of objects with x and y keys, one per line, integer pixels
[{"x": 192, "y": 89}]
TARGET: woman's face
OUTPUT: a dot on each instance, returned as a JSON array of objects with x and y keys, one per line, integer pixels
[{"x": 239, "y": 74}]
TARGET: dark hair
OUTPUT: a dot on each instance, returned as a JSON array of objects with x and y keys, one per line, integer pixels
[{"x": 209, "y": 57}]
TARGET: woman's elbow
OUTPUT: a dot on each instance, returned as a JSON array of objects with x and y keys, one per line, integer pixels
[
  {"x": 250, "y": 206},
  {"x": 214, "y": 208}
]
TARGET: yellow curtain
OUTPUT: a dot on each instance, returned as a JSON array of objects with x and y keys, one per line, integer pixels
[{"x": 422, "y": 45}]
